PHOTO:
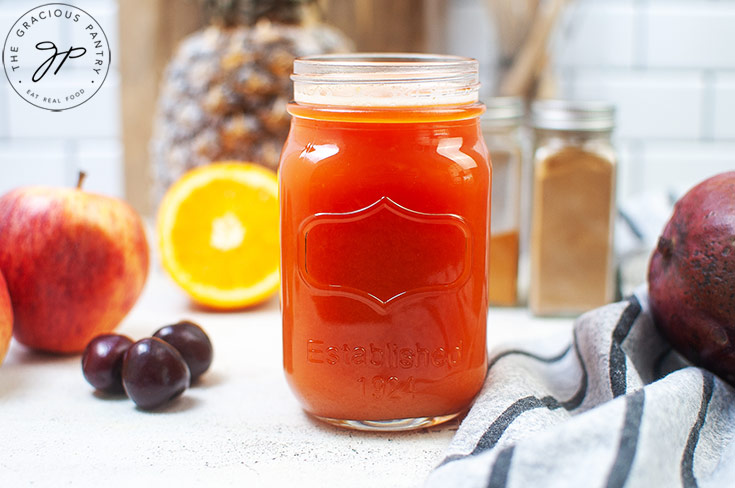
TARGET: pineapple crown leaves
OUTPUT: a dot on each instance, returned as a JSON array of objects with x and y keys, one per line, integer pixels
[{"x": 235, "y": 12}]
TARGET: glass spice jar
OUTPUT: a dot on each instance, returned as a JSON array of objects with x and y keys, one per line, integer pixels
[
  {"x": 573, "y": 209},
  {"x": 385, "y": 194},
  {"x": 501, "y": 128}
]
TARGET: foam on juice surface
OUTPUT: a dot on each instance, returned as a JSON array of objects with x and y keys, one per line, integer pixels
[{"x": 414, "y": 94}]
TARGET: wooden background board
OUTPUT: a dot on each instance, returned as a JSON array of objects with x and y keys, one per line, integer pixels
[{"x": 150, "y": 31}]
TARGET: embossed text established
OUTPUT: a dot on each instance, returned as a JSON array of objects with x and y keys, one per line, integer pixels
[{"x": 384, "y": 355}]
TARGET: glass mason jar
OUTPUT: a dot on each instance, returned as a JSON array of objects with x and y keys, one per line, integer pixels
[
  {"x": 573, "y": 207},
  {"x": 501, "y": 127},
  {"x": 385, "y": 196}
]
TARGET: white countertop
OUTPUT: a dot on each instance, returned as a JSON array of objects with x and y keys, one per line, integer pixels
[{"x": 239, "y": 426}]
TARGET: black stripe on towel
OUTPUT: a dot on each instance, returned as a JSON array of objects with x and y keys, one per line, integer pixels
[
  {"x": 618, "y": 368},
  {"x": 518, "y": 352},
  {"x": 628, "y": 439},
  {"x": 495, "y": 431},
  {"x": 687, "y": 459},
  {"x": 501, "y": 467}
]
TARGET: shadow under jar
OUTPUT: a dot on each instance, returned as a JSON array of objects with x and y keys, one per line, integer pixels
[{"x": 385, "y": 196}]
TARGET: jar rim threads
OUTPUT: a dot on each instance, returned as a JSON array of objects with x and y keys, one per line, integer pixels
[
  {"x": 503, "y": 111},
  {"x": 386, "y": 80},
  {"x": 573, "y": 115}
]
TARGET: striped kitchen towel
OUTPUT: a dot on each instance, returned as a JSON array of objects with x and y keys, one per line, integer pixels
[{"x": 615, "y": 407}]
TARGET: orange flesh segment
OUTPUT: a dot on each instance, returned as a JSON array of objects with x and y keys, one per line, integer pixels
[{"x": 218, "y": 228}]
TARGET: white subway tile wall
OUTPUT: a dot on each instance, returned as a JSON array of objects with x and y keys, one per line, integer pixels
[
  {"x": 723, "y": 119},
  {"x": 42, "y": 147},
  {"x": 675, "y": 99},
  {"x": 649, "y": 105},
  {"x": 92, "y": 119},
  {"x": 31, "y": 163},
  {"x": 667, "y": 65},
  {"x": 691, "y": 35},
  {"x": 611, "y": 21},
  {"x": 677, "y": 165}
]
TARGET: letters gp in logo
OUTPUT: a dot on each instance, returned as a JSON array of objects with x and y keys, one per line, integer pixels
[{"x": 56, "y": 56}]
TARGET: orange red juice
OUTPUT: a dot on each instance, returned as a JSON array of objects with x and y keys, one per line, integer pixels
[{"x": 384, "y": 228}]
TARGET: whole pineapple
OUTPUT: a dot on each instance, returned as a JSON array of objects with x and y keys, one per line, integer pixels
[{"x": 224, "y": 93}]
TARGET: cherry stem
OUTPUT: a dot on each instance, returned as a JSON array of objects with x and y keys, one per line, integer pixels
[{"x": 82, "y": 176}]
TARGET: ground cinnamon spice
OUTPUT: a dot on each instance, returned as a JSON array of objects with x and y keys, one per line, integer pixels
[
  {"x": 504, "y": 268},
  {"x": 571, "y": 238}
]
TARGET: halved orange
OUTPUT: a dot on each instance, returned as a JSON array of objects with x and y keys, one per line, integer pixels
[{"x": 218, "y": 234}]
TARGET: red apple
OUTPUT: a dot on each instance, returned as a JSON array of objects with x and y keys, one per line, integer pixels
[
  {"x": 6, "y": 319},
  {"x": 75, "y": 264}
]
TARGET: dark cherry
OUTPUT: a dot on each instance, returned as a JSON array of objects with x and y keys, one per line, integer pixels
[
  {"x": 154, "y": 373},
  {"x": 102, "y": 362},
  {"x": 193, "y": 344}
]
